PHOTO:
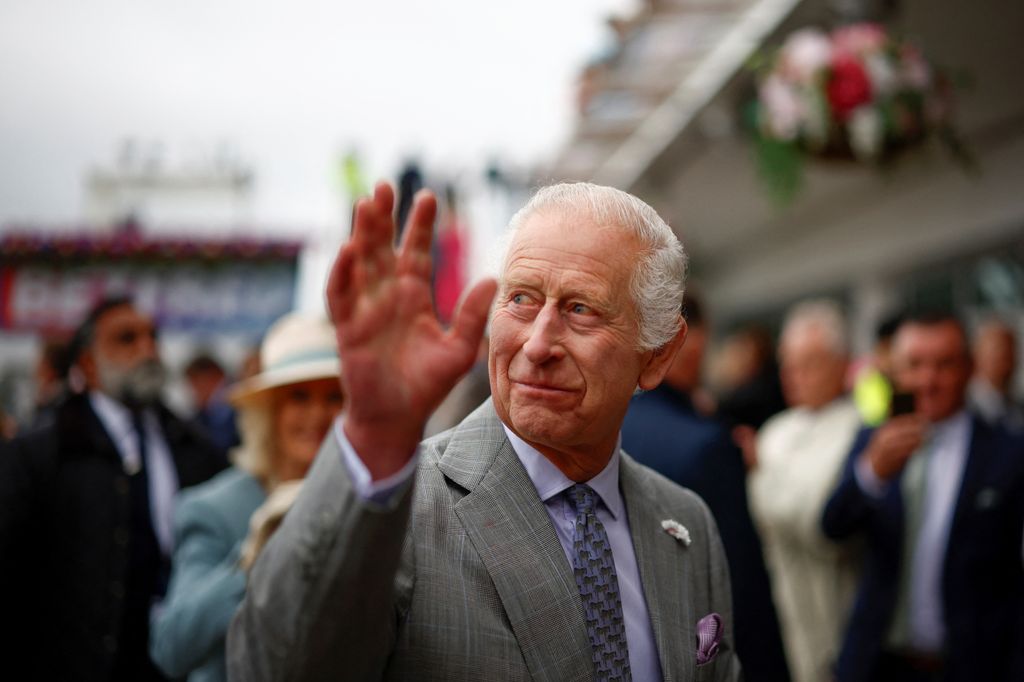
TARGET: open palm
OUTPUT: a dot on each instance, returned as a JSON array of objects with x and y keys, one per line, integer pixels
[{"x": 398, "y": 363}]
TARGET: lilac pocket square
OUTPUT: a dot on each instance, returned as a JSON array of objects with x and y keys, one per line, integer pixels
[{"x": 709, "y": 634}]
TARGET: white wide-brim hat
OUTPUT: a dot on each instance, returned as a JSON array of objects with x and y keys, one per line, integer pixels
[{"x": 296, "y": 348}]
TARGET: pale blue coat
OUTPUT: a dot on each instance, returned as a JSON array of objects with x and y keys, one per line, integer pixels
[{"x": 211, "y": 520}]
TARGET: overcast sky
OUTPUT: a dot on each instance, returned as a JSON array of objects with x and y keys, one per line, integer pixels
[{"x": 289, "y": 85}]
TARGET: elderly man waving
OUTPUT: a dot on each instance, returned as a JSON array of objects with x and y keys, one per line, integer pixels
[{"x": 522, "y": 544}]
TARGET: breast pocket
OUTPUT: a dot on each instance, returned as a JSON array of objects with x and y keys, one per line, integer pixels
[{"x": 708, "y": 671}]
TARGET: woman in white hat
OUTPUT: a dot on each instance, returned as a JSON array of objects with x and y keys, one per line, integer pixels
[{"x": 284, "y": 414}]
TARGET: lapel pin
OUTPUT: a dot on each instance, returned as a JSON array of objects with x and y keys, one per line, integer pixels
[{"x": 677, "y": 530}]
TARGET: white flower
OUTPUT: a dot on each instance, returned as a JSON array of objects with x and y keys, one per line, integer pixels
[
  {"x": 867, "y": 132},
  {"x": 883, "y": 77},
  {"x": 677, "y": 530}
]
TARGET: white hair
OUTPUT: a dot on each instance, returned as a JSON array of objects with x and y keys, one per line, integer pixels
[
  {"x": 658, "y": 280},
  {"x": 822, "y": 315}
]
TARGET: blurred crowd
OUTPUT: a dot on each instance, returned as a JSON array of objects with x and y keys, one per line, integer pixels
[{"x": 126, "y": 530}]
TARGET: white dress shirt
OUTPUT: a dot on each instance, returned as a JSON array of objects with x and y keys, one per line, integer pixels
[
  {"x": 550, "y": 482},
  {"x": 948, "y": 443},
  {"x": 160, "y": 471}
]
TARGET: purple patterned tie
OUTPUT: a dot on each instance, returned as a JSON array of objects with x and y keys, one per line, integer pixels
[{"x": 595, "y": 576}]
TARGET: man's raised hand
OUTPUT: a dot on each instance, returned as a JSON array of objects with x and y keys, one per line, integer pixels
[{"x": 398, "y": 363}]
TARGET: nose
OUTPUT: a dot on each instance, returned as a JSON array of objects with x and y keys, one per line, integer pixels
[{"x": 542, "y": 344}]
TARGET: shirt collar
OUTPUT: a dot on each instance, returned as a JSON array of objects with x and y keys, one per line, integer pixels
[
  {"x": 549, "y": 480},
  {"x": 115, "y": 416},
  {"x": 952, "y": 426}
]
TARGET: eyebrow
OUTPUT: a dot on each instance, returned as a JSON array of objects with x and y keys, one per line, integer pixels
[{"x": 583, "y": 295}]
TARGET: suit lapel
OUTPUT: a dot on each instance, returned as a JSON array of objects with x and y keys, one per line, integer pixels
[
  {"x": 664, "y": 566},
  {"x": 978, "y": 450},
  {"x": 512, "y": 533},
  {"x": 81, "y": 432}
]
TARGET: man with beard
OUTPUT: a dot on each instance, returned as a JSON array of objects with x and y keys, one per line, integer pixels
[{"x": 86, "y": 510}]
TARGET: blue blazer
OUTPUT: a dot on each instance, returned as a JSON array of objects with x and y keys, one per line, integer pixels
[
  {"x": 983, "y": 577},
  {"x": 664, "y": 431},
  {"x": 187, "y": 636}
]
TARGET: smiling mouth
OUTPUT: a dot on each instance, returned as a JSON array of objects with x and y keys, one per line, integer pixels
[{"x": 542, "y": 387}]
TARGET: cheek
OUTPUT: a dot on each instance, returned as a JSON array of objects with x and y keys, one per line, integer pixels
[
  {"x": 502, "y": 342},
  {"x": 290, "y": 419}
]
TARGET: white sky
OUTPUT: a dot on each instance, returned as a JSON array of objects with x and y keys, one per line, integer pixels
[{"x": 289, "y": 85}]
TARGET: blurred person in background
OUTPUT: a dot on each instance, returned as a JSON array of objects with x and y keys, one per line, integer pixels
[
  {"x": 749, "y": 389},
  {"x": 995, "y": 363},
  {"x": 87, "y": 504},
  {"x": 664, "y": 430},
  {"x": 800, "y": 454},
  {"x": 938, "y": 494},
  {"x": 450, "y": 250},
  {"x": 872, "y": 385},
  {"x": 213, "y": 413},
  {"x": 285, "y": 412},
  {"x": 755, "y": 393},
  {"x": 250, "y": 365},
  {"x": 51, "y": 382},
  {"x": 8, "y": 426}
]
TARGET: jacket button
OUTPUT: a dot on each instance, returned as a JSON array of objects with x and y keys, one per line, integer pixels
[
  {"x": 121, "y": 537},
  {"x": 110, "y": 643}
]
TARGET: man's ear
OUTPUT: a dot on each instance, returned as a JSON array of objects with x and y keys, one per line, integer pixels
[{"x": 661, "y": 359}]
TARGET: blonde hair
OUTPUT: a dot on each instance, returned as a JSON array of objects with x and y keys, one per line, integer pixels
[{"x": 256, "y": 453}]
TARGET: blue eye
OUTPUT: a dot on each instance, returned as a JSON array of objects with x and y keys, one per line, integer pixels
[
  {"x": 580, "y": 309},
  {"x": 518, "y": 299}
]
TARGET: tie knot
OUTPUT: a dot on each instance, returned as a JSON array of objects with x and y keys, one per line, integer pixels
[{"x": 583, "y": 498}]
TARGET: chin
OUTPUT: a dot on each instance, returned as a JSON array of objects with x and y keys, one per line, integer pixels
[{"x": 546, "y": 429}]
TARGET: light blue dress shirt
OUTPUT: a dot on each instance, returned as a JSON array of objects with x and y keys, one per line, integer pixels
[{"x": 550, "y": 482}]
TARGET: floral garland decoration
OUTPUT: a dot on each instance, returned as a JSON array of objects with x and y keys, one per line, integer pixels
[{"x": 855, "y": 93}]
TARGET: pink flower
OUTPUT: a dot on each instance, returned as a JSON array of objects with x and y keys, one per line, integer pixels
[
  {"x": 848, "y": 87},
  {"x": 804, "y": 54},
  {"x": 914, "y": 70},
  {"x": 858, "y": 39},
  {"x": 783, "y": 109}
]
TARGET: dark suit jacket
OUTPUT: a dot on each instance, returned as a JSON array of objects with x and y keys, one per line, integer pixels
[
  {"x": 662, "y": 430},
  {"x": 983, "y": 580},
  {"x": 64, "y": 529}
]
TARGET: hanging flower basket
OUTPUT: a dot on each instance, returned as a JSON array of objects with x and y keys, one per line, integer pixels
[{"x": 855, "y": 94}]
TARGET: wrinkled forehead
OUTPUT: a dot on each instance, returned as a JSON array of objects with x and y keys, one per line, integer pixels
[
  {"x": 574, "y": 231},
  {"x": 939, "y": 338},
  {"x": 125, "y": 317}
]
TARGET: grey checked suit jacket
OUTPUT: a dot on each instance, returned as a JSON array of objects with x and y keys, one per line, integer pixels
[{"x": 465, "y": 578}]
